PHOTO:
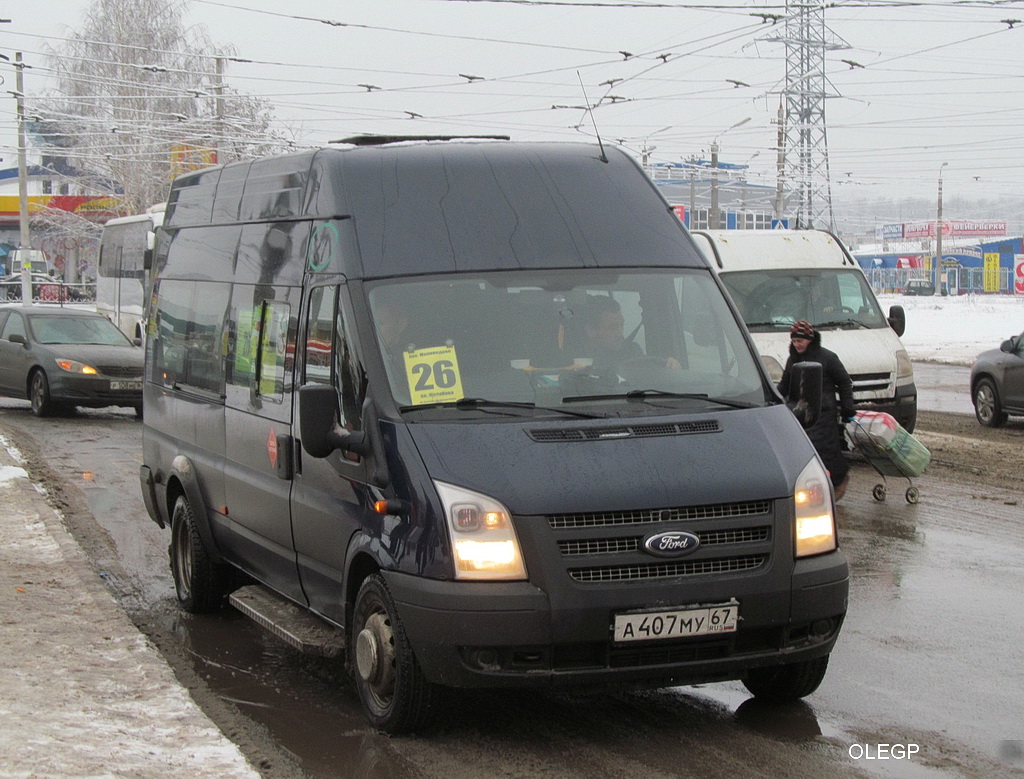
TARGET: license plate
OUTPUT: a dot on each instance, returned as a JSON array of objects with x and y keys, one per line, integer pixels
[
  {"x": 657, "y": 625},
  {"x": 126, "y": 385}
]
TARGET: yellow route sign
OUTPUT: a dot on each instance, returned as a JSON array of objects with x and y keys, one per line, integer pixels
[{"x": 433, "y": 375}]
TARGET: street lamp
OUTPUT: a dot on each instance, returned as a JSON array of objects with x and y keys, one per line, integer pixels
[{"x": 938, "y": 235}]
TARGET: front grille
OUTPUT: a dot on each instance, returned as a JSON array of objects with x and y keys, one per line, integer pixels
[
  {"x": 678, "y": 514},
  {"x": 120, "y": 372},
  {"x": 871, "y": 382},
  {"x": 649, "y": 571},
  {"x": 599, "y": 546}
]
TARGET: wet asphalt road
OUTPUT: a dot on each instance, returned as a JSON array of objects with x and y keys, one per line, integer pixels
[{"x": 925, "y": 679}]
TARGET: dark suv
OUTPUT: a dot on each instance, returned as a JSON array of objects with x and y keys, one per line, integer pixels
[{"x": 919, "y": 287}]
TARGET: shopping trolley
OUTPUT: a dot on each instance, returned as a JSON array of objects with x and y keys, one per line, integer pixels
[{"x": 889, "y": 449}]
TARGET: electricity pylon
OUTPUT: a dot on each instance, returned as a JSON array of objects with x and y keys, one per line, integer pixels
[{"x": 806, "y": 137}]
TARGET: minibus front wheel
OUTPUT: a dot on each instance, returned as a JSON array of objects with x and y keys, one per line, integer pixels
[
  {"x": 786, "y": 683},
  {"x": 201, "y": 584},
  {"x": 396, "y": 696}
]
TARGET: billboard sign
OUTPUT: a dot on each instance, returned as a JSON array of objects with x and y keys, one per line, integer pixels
[{"x": 892, "y": 232}]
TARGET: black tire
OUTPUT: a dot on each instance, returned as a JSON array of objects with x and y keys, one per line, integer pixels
[
  {"x": 987, "y": 406},
  {"x": 396, "y": 696},
  {"x": 786, "y": 683},
  {"x": 39, "y": 394},
  {"x": 200, "y": 584}
]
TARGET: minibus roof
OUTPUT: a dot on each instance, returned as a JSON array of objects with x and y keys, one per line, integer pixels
[{"x": 437, "y": 207}]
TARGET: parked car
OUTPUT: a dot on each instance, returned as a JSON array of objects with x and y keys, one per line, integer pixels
[
  {"x": 997, "y": 382},
  {"x": 60, "y": 357},
  {"x": 44, "y": 287},
  {"x": 919, "y": 287}
]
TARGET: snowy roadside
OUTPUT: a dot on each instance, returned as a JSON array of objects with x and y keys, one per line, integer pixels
[
  {"x": 84, "y": 693},
  {"x": 957, "y": 329}
]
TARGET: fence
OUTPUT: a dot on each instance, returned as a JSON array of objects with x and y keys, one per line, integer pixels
[
  {"x": 50, "y": 292},
  {"x": 956, "y": 281}
]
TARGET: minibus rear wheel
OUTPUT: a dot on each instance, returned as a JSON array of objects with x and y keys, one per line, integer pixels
[
  {"x": 201, "y": 584},
  {"x": 786, "y": 683},
  {"x": 396, "y": 696}
]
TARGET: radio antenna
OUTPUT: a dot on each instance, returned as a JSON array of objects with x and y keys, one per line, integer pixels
[{"x": 590, "y": 110}]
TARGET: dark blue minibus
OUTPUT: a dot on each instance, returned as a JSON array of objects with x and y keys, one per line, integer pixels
[{"x": 475, "y": 413}]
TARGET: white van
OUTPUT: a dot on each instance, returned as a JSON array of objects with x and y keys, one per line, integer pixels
[{"x": 776, "y": 277}]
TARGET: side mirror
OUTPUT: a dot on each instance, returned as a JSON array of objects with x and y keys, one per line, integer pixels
[
  {"x": 898, "y": 319},
  {"x": 1009, "y": 345},
  {"x": 17, "y": 338},
  {"x": 321, "y": 433},
  {"x": 805, "y": 392}
]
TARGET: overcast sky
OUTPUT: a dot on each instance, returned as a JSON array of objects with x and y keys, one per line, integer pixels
[{"x": 923, "y": 84}]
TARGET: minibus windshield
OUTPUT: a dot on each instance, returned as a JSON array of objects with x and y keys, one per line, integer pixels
[
  {"x": 665, "y": 338},
  {"x": 774, "y": 299}
]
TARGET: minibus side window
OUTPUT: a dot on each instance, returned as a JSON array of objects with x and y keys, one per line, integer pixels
[
  {"x": 273, "y": 360},
  {"x": 319, "y": 335},
  {"x": 188, "y": 348},
  {"x": 329, "y": 358}
]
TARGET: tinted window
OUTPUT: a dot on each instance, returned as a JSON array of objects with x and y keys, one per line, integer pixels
[
  {"x": 330, "y": 357},
  {"x": 545, "y": 337},
  {"x": 272, "y": 253},
  {"x": 187, "y": 335},
  {"x": 202, "y": 253},
  {"x": 320, "y": 335},
  {"x": 274, "y": 360}
]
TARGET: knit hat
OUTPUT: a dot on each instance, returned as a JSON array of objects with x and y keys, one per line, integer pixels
[{"x": 802, "y": 329}]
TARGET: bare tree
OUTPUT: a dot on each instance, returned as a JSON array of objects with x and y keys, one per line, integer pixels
[{"x": 140, "y": 97}]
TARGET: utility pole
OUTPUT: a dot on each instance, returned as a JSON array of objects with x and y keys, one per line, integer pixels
[
  {"x": 714, "y": 220},
  {"x": 219, "y": 110},
  {"x": 693, "y": 199},
  {"x": 780, "y": 176},
  {"x": 938, "y": 236},
  {"x": 25, "y": 241}
]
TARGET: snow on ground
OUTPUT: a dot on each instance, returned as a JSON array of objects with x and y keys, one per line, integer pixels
[{"x": 956, "y": 329}]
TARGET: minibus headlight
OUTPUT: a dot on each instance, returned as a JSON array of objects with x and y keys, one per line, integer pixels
[
  {"x": 73, "y": 366},
  {"x": 484, "y": 543},
  {"x": 904, "y": 367},
  {"x": 815, "y": 526}
]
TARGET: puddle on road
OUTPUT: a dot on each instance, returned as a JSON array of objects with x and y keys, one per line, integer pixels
[{"x": 274, "y": 685}]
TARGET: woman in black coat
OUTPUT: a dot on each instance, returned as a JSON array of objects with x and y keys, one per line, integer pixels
[{"x": 826, "y": 434}]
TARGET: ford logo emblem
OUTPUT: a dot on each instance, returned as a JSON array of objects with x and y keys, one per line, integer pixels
[{"x": 673, "y": 544}]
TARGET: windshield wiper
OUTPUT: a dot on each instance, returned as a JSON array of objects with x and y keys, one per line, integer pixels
[
  {"x": 464, "y": 404},
  {"x": 768, "y": 324},
  {"x": 644, "y": 394},
  {"x": 843, "y": 323}
]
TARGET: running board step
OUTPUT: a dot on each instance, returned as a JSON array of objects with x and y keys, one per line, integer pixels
[{"x": 288, "y": 621}]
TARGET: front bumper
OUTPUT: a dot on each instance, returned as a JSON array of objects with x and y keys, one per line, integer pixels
[
  {"x": 93, "y": 391},
  {"x": 508, "y": 634}
]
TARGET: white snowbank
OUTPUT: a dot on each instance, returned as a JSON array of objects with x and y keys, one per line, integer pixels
[{"x": 957, "y": 329}]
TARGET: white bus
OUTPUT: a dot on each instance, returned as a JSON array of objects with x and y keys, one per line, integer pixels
[{"x": 124, "y": 272}]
